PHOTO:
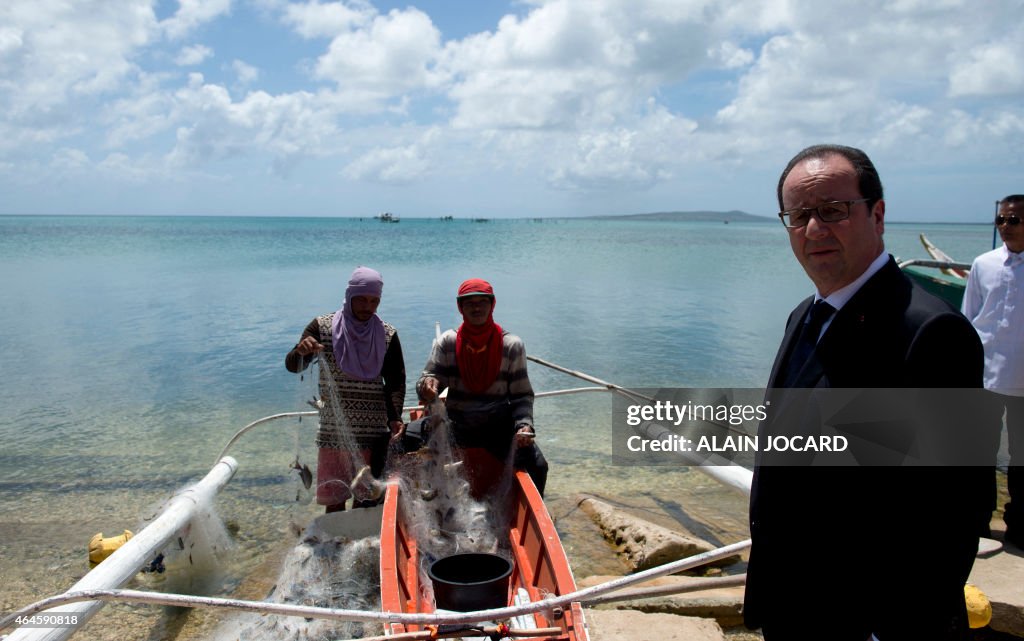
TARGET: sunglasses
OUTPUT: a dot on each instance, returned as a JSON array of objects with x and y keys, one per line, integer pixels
[{"x": 1012, "y": 219}]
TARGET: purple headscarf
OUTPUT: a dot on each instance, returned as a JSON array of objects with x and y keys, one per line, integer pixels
[{"x": 359, "y": 347}]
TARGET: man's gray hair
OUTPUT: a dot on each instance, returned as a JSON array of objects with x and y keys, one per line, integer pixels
[{"x": 868, "y": 182}]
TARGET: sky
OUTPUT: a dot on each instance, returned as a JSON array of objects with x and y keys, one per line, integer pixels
[{"x": 481, "y": 108}]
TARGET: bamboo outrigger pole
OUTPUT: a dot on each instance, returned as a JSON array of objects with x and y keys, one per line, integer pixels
[
  {"x": 127, "y": 560},
  {"x": 589, "y": 378},
  {"x": 732, "y": 476}
]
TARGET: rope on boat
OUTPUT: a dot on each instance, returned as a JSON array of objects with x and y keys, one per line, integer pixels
[
  {"x": 698, "y": 585},
  {"x": 158, "y": 598}
]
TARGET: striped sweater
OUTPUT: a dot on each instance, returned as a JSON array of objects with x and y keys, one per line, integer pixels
[{"x": 512, "y": 385}]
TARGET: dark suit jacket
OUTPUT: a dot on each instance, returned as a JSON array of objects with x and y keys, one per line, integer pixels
[{"x": 841, "y": 552}]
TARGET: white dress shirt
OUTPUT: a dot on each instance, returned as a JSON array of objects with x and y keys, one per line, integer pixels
[{"x": 994, "y": 303}]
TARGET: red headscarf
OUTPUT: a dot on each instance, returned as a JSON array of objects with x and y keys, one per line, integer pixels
[{"x": 478, "y": 348}]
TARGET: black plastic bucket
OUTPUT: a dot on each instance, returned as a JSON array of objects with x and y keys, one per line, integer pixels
[{"x": 471, "y": 581}]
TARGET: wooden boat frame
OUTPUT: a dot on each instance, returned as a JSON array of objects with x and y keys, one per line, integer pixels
[
  {"x": 542, "y": 568},
  {"x": 941, "y": 276},
  {"x": 540, "y": 565}
]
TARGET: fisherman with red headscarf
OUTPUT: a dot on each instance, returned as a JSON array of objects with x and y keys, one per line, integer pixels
[
  {"x": 490, "y": 399},
  {"x": 362, "y": 387}
]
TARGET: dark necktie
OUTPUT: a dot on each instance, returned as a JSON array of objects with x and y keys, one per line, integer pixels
[{"x": 820, "y": 313}]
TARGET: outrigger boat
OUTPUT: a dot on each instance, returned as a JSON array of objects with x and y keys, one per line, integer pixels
[
  {"x": 540, "y": 568},
  {"x": 940, "y": 255},
  {"x": 542, "y": 601},
  {"x": 941, "y": 275}
]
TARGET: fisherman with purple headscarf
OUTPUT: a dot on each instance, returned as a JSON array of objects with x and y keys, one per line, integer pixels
[{"x": 362, "y": 387}]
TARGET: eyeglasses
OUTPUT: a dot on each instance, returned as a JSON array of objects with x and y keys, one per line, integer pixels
[
  {"x": 1012, "y": 219},
  {"x": 831, "y": 212}
]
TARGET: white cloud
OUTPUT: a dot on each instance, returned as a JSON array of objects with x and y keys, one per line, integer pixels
[
  {"x": 10, "y": 40},
  {"x": 889, "y": 83},
  {"x": 635, "y": 158},
  {"x": 521, "y": 98},
  {"x": 247, "y": 74},
  {"x": 53, "y": 52},
  {"x": 121, "y": 167},
  {"x": 393, "y": 54},
  {"x": 317, "y": 20},
  {"x": 763, "y": 16},
  {"x": 992, "y": 69},
  {"x": 580, "y": 95},
  {"x": 395, "y": 165},
  {"x": 961, "y": 129},
  {"x": 1002, "y": 129},
  {"x": 900, "y": 122},
  {"x": 605, "y": 160},
  {"x": 287, "y": 126},
  {"x": 21, "y": 140},
  {"x": 1008, "y": 127},
  {"x": 192, "y": 14},
  {"x": 192, "y": 55},
  {"x": 775, "y": 94},
  {"x": 573, "y": 63},
  {"x": 730, "y": 56},
  {"x": 69, "y": 159},
  {"x": 143, "y": 113}
]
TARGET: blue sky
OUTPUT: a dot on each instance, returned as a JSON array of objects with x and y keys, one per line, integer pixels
[{"x": 486, "y": 108}]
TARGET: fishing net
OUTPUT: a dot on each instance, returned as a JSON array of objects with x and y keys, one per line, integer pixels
[
  {"x": 331, "y": 571},
  {"x": 437, "y": 507},
  {"x": 195, "y": 560},
  {"x": 344, "y": 471},
  {"x": 322, "y": 571}
]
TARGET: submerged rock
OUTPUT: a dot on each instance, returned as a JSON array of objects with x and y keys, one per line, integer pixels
[{"x": 642, "y": 544}]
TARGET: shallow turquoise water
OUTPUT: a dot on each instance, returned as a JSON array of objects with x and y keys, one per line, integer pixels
[{"x": 131, "y": 349}]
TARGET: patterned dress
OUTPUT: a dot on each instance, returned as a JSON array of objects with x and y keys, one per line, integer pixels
[
  {"x": 355, "y": 414},
  {"x": 353, "y": 408}
]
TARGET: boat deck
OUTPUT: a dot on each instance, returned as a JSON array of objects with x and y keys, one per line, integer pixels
[{"x": 540, "y": 568}]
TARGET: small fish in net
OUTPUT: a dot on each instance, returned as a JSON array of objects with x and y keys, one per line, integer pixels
[{"x": 439, "y": 510}]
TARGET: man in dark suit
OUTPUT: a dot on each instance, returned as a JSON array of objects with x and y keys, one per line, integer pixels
[{"x": 862, "y": 551}]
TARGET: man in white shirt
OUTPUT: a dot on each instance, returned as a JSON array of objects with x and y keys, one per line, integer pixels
[{"x": 994, "y": 303}]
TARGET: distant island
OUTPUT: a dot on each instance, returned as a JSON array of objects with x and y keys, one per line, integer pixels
[{"x": 696, "y": 216}]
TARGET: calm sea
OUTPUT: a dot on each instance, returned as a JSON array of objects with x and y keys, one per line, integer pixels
[{"x": 132, "y": 348}]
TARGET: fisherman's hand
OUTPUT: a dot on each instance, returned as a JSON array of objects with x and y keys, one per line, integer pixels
[
  {"x": 397, "y": 429},
  {"x": 307, "y": 346},
  {"x": 525, "y": 436},
  {"x": 427, "y": 389}
]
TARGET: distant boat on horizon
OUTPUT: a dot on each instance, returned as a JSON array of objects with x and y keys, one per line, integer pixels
[{"x": 387, "y": 217}]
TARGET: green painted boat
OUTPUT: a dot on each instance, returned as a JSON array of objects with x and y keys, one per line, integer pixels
[
  {"x": 941, "y": 275},
  {"x": 929, "y": 275}
]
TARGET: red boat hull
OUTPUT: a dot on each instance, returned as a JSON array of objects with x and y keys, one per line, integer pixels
[{"x": 540, "y": 564}]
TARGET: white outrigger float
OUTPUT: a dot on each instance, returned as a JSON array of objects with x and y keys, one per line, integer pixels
[{"x": 60, "y": 616}]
